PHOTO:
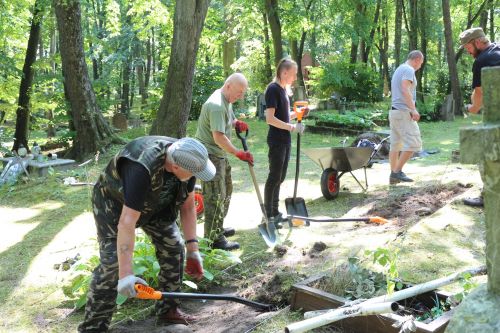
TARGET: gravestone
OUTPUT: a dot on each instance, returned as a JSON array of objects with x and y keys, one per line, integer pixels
[
  {"x": 447, "y": 112},
  {"x": 120, "y": 121},
  {"x": 480, "y": 311}
]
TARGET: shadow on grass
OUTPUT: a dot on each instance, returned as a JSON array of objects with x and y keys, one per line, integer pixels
[{"x": 15, "y": 261}]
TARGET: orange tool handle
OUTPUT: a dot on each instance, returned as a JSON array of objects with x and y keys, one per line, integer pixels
[
  {"x": 378, "y": 220},
  {"x": 145, "y": 292},
  {"x": 298, "y": 111}
]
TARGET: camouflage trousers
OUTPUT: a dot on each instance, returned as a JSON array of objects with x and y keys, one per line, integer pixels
[
  {"x": 101, "y": 298},
  {"x": 216, "y": 197}
]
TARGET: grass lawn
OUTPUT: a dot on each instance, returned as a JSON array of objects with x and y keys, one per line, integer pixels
[{"x": 45, "y": 222}]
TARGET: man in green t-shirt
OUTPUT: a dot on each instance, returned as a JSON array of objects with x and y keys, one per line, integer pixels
[{"x": 214, "y": 131}]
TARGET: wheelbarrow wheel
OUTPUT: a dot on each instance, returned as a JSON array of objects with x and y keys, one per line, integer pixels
[
  {"x": 330, "y": 183},
  {"x": 198, "y": 201}
]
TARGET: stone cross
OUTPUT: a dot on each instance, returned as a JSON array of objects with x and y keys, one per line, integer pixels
[{"x": 479, "y": 312}]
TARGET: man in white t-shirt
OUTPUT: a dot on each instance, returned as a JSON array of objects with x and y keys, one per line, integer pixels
[{"x": 403, "y": 117}]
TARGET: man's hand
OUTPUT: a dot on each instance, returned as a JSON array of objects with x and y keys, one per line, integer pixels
[
  {"x": 305, "y": 111},
  {"x": 194, "y": 265},
  {"x": 245, "y": 156},
  {"x": 126, "y": 286},
  {"x": 415, "y": 115},
  {"x": 298, "y": 128},
  {"x": 241, "y": 126}
]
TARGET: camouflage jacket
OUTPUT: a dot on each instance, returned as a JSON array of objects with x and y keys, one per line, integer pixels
[{"x": 166, "y": 194}]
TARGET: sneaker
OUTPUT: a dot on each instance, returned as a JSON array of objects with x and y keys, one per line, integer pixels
[
  {"x": 397, "y": 177},
  {"x": 176, "y": 316},
  {"x": 223, "y": 244},
  {"x": 474, "y": 202},
  {"x": 228, "y": 232}
]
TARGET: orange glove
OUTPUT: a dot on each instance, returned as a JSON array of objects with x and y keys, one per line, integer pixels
[
  {"x": 194, "y": 265},
  {"x": 241, "y": 126},
  {"x": 245, "y": 156}
]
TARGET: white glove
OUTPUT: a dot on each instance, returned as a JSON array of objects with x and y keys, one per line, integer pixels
[
  {"x": 126, "y": 286},
  {"x": 298, "y": 128}
]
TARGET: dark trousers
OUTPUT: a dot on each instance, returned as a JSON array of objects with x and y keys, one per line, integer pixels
[{"x": 279, "y": 156}]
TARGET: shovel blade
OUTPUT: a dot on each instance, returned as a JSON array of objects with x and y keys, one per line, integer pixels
[
  {"x": 296, "y": 206},
  {"x": 268, "y": 232}
]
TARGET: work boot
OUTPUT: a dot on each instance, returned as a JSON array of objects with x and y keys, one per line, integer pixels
[
  {"x": 176, "y": 316},
  {"x": 474, "y": 202},
  {"x": 228, "y": 232},
  {"x": 223, "y": 244},
  {"x": 397, "y": 177},
  {"x": 278, "y": 220}
]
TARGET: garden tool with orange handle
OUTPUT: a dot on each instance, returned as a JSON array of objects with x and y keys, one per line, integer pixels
[
  {"x": 146, "y": 292},
  {"x": 297, "y": 206},
  {"x": 297, "y": 221}
]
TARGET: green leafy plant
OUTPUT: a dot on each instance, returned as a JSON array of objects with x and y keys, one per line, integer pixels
[
  {"x": 366, "y": 283},
  {"x": 387, "y": 258}
]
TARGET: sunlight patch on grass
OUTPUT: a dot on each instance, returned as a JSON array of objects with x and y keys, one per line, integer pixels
[{"x": 72, "y": 240}]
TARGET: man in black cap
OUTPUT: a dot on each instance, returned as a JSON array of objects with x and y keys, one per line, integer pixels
[
  {"x": 147, "y": 184},
  {"x": 486, "y": 54}
]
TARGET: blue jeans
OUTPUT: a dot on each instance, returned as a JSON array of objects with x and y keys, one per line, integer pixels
[{"x": 279, "y": 156}]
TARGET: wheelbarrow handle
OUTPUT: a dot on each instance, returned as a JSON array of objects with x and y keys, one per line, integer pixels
[
  {"x": 243, "y": 139},
  {"x": 146, "y": 292}
]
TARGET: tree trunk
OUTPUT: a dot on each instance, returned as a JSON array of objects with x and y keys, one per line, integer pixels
[
  {"x": 369, "y": 42},
  {"x": 354, "y": 51},
  {"x": 175, "y": 105},
  {"x": 51, "y": 131},
  {"x": 450, "y": 54},
  {"x": 23, "y": 109},
  {"x": 229, "y": 43},
  {"x": 275, "y": 25},
  {"x": 397, "y": 33},
  {"x": 413, "y": 31},
  {"x": 125, "y": 95},
  {"x": 148, "y": 66},
  {"x": 92, "y": 131},
  {"x": 267, "y": 51}
]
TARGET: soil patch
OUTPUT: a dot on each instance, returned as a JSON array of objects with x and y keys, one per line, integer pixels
[{"x": 406, "y": 208}]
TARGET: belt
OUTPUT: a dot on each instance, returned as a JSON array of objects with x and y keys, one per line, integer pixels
[{"x": 393, "y": 108}]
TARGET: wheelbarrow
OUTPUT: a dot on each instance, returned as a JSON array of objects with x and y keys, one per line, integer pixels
[{"x": 337, "y": 161}]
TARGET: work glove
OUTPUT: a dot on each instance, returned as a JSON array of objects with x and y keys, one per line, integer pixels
[
  {"x": 298, "y": 128},
  {"x": 245, "y": 156},
  {"x": 126, "y": 286},
  {"x": 241, "y": 126},
  {"x": 194, "y": 264}
]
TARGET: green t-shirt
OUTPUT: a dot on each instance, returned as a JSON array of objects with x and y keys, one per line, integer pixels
[{"x": 216, "y": 115}]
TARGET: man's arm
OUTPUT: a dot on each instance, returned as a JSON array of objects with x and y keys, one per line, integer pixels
[
  {"x": 223, "y": 141},
  {"x": 188, "y": 221},
  {"x": 273, "y": 121},
  {"x": 476, "y": 99},
  {"x": 406, "y": 86},
  {"x": 126, "y": 240}
]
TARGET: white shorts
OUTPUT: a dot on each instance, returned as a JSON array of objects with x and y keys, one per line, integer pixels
[{"x": 405, "y": 133}]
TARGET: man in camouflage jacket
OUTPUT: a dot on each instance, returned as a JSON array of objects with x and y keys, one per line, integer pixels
[{"x": 147, "y": 184}]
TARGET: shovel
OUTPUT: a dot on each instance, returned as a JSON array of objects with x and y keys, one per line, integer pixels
[
  {"x": 297, "y": 221},
  {"x": 266, "y": 229},
  {"x": 145, "y": 292},
  {"x": 297, "y": 206}
]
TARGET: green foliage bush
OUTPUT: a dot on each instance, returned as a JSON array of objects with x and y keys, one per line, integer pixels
[
  {"x": 361, "y": 119},
  {"x": 355, "y": 82},
  {"x": 206, "y": 81}
]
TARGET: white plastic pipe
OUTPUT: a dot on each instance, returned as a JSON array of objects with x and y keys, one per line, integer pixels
[{"x": 341, "y": 313}]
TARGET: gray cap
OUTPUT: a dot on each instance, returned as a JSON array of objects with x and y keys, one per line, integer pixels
[
  {"x": 470, "y": 34},
  {"x": 191, "y": 155}
]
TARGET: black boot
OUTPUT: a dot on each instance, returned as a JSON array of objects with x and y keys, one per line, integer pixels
[
  {"x": 228, "y": 232},
  {"x": 223, "y": 244},
  {"x": 474, "y": 202}
]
